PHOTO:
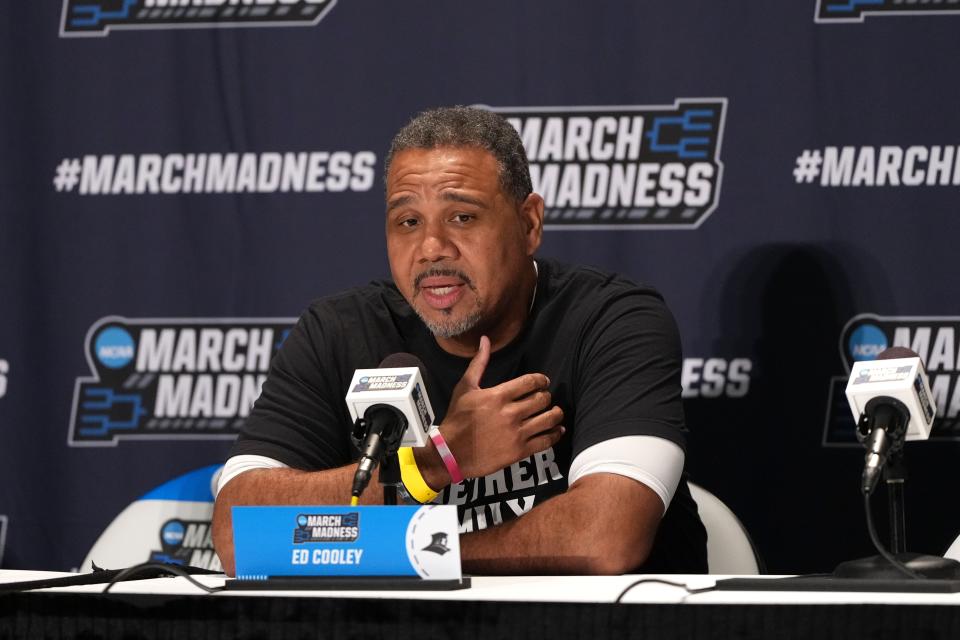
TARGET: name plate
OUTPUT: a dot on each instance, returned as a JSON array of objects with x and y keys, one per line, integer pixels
[{"x": 396, "y": 541}]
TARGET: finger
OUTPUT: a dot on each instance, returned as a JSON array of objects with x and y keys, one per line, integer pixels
[
  {"x": 532, "y": 404},
  {"x": 523, "y": 386},
  {"x": 478, "y": 364},
  {"x": 531, "y": 427},
  {"x": 545, "y": 440}
]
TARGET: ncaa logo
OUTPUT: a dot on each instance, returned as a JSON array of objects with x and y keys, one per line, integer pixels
[
  {"x": 172, "y": 533},
  {"x": 114, "y": 347},
  {"x": 866, "y": 342}
]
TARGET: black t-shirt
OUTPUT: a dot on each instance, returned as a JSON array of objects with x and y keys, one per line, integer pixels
[{"x": 609, "y": 346}]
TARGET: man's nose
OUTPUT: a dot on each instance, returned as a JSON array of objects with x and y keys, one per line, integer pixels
[{"x": 437, "y": 244}]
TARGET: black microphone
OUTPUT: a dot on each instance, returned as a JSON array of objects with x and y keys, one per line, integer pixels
[
  {"x": 390, "y": 408},
  {"x": 890, "y": 400}
]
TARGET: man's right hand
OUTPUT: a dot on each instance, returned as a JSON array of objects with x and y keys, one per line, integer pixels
[{"x": 489, "y": 429}]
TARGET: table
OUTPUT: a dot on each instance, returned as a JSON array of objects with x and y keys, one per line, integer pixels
[{"x": 495, "y": 607}]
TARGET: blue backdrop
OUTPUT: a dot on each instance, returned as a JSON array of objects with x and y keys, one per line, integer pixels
[{"x": 178, "y": 182}]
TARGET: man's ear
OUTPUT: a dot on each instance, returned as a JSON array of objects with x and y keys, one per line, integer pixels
[{"x": 531, "y": 215}]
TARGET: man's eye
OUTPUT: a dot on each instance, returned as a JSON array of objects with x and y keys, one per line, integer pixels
[
  {"x": 408, "y": 222},
  {"x": 462, "y": 217}
]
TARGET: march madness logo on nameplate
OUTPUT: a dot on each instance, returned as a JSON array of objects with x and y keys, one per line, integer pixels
[{"x": 327, "y": 527}]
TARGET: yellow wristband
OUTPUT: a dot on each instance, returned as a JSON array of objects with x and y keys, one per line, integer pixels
[{"x": 414, "y": 483}]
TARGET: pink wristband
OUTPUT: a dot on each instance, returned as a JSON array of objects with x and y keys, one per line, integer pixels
[{"x": 446, "y": 455}]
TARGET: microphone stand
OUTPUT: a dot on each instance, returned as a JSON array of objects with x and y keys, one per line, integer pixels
[
  {"x": 390, "y": 476},
  {"x": 391, "y": 435},
  {"x": 933, "y": 568},
  {"x": 895, "y": 475}
]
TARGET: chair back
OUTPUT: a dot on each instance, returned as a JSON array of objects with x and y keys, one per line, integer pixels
[
  {"x": 169, "y": 524},
  {"x": 730, "y": 551}
]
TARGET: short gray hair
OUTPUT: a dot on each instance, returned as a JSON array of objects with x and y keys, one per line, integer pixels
[{"x": 469, "y": 127}]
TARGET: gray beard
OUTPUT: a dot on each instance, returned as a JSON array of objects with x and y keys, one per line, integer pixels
[
  {"x": 450, "y": 328},
  {"x": 446, "y": 327}
]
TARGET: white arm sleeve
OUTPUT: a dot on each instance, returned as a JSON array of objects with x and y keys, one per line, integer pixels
[
  {"x": 655, "y": 462},
  {"x": 239, "y": 464}
]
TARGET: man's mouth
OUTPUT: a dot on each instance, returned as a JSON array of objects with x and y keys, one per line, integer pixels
[{"x": 441, "y": 291}]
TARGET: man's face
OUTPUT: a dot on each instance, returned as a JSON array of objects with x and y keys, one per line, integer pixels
[{"x": 459, "y": 247}]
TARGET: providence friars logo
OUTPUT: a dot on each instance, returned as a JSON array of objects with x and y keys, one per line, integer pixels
[
  {"x": 438, "y": 544},
  {"x": 99, "y": 17},
  {"x": 624, "y": 167}
]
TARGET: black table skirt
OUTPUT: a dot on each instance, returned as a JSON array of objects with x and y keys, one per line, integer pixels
[{"x": 40, "y": 615}]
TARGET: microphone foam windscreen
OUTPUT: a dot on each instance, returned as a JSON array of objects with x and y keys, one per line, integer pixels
[
  {"x": 397, "y": 360},
  {"x": 890, "y": 353}
]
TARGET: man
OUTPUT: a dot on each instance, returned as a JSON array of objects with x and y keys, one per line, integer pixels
[{"x": 556, "y": 388}]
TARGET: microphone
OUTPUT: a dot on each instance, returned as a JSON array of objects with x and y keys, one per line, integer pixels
[
  {"x": 891, "y": 401},
  {"x": 390, "y": 409}
]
